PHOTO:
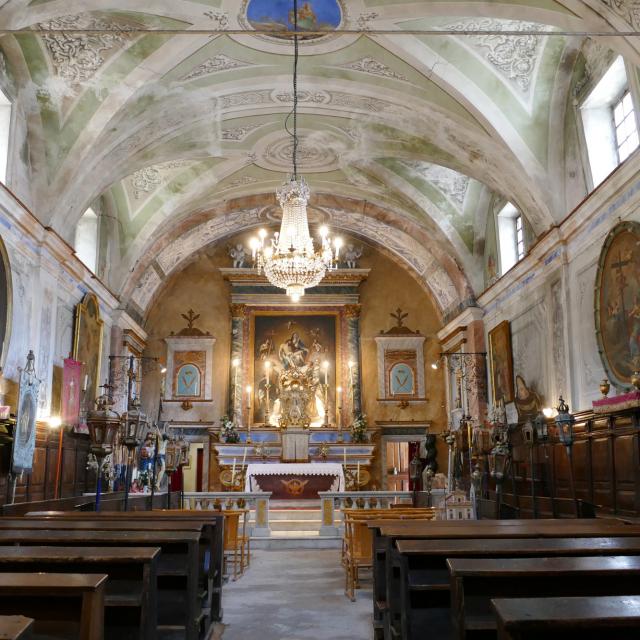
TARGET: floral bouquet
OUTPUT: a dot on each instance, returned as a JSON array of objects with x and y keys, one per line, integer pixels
[
  {"x": 359, "y": 429},
  {"x": 228, "y": 433}
]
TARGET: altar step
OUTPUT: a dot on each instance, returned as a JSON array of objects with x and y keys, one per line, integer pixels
[{"x": 296, "y": 526}]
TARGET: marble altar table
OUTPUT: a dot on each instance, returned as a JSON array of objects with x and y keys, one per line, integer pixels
[{"x": 294, "y": 480}]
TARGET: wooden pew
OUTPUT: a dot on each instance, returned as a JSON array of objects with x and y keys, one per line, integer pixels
[
  {"x": 56, "y": 599},
  {"x": 214, "y": 521},
  {"x": 421, "y": 590},
  {"x": 131, "y": 591},
  {"x": 575, "y": 618},
  {"x": 180, "y": 600},
  {"x": 386, "y": 533},
  {"x": 15, "y": 628},
  {"x": 473, "y": 581}
]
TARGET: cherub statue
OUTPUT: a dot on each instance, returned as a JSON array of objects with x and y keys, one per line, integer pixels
[
  {"x": 239, "y": 255},
  {"x": 352, "y": 255}
]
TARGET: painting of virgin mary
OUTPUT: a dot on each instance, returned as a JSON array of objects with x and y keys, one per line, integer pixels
[{"x": 277, "y": 15}]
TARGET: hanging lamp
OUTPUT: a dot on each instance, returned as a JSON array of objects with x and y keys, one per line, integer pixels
[{"x": 289, "y": 260}]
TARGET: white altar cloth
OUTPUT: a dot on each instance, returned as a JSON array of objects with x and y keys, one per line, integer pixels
[{"x": 296, "y": 468}]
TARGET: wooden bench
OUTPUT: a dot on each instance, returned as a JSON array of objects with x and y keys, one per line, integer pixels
[
  {"x": 575, "y": 618},
  {"x": 420, "y": 593},
  {"x": 474, "y": 581},
  {"x": 131, "y": 591},
  {"x": 386, "y": 533},
  {"x": 15, "y": 628},
  {"x": 181, "y": 603},
  {"x": 56, "y": 600},
  {"x": 214, "y": 531}
]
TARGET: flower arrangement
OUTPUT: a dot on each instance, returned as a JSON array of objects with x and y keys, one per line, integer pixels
[
  {"x": 228, "y": 433},
  {"x": 359, "y": 428}
]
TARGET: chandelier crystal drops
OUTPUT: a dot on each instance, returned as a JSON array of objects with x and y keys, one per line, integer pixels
[{"x": 289, "y": 260}]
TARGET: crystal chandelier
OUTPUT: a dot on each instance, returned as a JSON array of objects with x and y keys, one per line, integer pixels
[{"x": 289, "y": 259}]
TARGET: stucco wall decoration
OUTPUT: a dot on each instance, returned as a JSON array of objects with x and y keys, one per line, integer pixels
[{"x": 617, "y": 303}]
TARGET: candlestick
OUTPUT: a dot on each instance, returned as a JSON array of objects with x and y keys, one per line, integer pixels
[
  {"x": 358, "y": 476},
  {"x": 233, "y": 474},
  {"x": 344, "y": 452},
  {"x": 244, "y": 456}
]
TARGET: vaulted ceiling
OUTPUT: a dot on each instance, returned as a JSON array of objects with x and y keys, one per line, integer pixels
[{"x": 171, "y": 116}]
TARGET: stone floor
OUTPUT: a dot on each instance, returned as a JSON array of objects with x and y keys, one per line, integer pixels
[{"x": 295, "y": 595}]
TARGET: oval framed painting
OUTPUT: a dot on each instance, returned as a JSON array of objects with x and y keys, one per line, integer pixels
[
  {"x": 617, "y": 303},
  {"x": 277, "y": 15}
]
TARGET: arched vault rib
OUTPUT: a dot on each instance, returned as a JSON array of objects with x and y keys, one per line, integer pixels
[{"x": 430, "y": 262}]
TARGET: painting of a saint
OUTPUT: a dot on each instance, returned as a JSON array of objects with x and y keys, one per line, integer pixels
[
  {"x": 528, "y": 403},
  {"x": 24, "y": 441},
  {"x": 617, "y": 303},
  {"x": 501, "y": 361},
  {"x": 286, "y": 343},
  {"x": 277, "y": 15},
  {"x": 87, "y": 347}
]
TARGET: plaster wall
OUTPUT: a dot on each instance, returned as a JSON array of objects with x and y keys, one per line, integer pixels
[
  {"x": 549, "y": 296},
  {"x": 48, "y": 281}
]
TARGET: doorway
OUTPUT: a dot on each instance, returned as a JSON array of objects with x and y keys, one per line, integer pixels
[{"x": 397, "y": 466}]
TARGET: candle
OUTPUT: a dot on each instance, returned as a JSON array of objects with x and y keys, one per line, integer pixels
[
  {"x": 344, "y": 452},
  {"x": 244, "y": 456},
  {"x": 325, "y": 367},
  {"x": 233, "y": 472},
  {"x": 358, "y": 475},
  {"x": 86, "y": 383}
]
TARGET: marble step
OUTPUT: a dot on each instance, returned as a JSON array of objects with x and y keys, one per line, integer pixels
[
  {"x": 294, "y": 514},
  {"x": 295, "y": 525},
  {"x": 296, "y": 540}
]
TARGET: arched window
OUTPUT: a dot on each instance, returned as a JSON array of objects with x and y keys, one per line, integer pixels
[
  {"x": 510, "y": 237},
  {"x": 609, "y": 122},
  {"x": 86, "y": 242},
  {"x": 5, "y": 130}
]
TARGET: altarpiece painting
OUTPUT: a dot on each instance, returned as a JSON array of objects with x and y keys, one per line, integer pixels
[
  {"x": 617, "y": 303},
  {"x": 288, "y": 342}
]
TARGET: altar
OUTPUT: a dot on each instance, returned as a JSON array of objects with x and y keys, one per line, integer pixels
[{"x": 294, "y": 480}]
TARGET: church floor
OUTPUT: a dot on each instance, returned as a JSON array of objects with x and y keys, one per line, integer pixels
[{"x": 295, "y": 595}]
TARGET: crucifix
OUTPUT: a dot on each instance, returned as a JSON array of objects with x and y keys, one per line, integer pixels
[
  {"x": 190, "y": 317},
  {"x": 399, "y": 317},
  {"x": 621, "y": 281}
]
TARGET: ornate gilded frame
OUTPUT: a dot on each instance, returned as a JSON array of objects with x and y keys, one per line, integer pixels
[
  {"x": 249, "y": 350},
  {"x": 8, "y": 282},
  {"x": 81, "y": 327},
  {"x": 505, "y": 328},
  {"x": 623, "y": 227}
]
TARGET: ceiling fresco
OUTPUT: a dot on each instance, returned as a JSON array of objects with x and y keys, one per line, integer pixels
[{"x": 161, "y": 117}]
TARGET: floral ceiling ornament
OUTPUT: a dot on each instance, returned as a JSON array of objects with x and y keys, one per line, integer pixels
[
  {"x": 217, "y": 63},
  {"x": 629, "y": 10},
  {"x": 147, "y": 179},
  {"x": 77, "y": 56},
  {"x": 451, "y": 183},
  {"x": 238, "y": 133},
  {"x": 514, "y": 56},
  {"x": 373, "y": 67},
  {"x": 219, "y": 17}
]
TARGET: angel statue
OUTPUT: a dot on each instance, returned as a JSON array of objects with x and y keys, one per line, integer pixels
[
  {"x": 239, "y": 255},
  {"x": 352, "y": 255}
]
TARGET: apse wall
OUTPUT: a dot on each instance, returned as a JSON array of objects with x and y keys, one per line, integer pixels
[{"x": 200, "y": 286}]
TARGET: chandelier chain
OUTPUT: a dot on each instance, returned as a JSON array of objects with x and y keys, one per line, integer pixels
[{"x": 295, "y": 89}]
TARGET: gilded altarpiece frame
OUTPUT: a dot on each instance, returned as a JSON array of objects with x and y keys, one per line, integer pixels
[{"x": 321, "y": 332}]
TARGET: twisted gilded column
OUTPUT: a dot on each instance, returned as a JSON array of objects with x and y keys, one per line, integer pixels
[{"x": 352, "y": 316}]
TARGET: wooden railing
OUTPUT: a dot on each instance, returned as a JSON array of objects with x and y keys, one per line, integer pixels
[{"x": 258, "y": 503}]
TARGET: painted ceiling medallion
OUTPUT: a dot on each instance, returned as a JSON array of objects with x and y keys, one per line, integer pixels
[{"x": 277, "y": 16}]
